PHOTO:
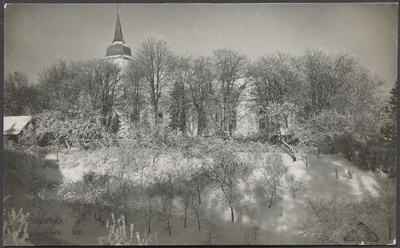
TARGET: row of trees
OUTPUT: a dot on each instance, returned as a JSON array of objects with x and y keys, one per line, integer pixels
[
  {"x": 327, "y": 102},
  {"x": 204, "y": 88}
]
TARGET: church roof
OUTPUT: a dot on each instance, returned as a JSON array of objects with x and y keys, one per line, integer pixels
[
  {"x": 118, "y": 49},
  {"x": 118, "y": 31}
]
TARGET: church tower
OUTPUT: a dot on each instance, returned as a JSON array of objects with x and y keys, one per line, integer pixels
[
  {"x": 117, "y": 51},
  {"x": 121, "y": 55}
]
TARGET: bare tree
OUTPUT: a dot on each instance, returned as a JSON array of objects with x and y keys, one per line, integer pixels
[
  {"x": 179, "y": 97},
  {"x": 277, "y": 84},
  {"x": 197, "y": 211},
  {"x": 164, "y": 188},
  {"x": 186, "y": 192},
  {"x": 148, "y": 205},
  {"x": 305, "y": 152},
  {"x": 329, "y": 76},
  {"x": 134, "y": 91},
  {"x": 272, "y": 172},
  {"x": 201, "y": 89},
  {"x": 154, "y": 58},
  {"x": 211, "y": 220},
  {"x": 59, "y": 85},
  {"x": 20, "y": 97},
  {"x": 251, "y": 233},
  {"x": 230, "y": 69},
  {"x": 294, "y": 184},
  {"x": 385, "y": 206},
  {"x": 89, "y": 195},
  {"x": 278, "y": 114},
  {"x": 226, "y": 169}
]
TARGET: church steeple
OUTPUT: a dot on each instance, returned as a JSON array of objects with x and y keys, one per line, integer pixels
[
  {"x": 118, "y": 31},
  {"x": 118, "y": 48}
]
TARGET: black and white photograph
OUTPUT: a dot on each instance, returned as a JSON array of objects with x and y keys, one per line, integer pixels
[{"x": 200, "y": 124}]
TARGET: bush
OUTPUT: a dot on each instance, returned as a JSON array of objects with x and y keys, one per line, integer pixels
[
  {"x": 348, "y": 145},
  {"x": 376, "y": 157},
  {"x": 15, "y": 227},
  {"x": 330, "y": 218}
]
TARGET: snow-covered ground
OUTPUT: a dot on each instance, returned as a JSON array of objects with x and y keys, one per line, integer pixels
[{"x": 319, "y": 180}]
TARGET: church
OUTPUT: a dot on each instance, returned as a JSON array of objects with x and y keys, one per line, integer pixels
[{"x": 245, "y": 123}]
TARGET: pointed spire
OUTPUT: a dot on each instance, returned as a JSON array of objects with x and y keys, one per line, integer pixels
[{"x": 118, "y": 31}]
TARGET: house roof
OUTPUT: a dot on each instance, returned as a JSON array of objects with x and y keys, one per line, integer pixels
[{"x": 13, "y": 125}]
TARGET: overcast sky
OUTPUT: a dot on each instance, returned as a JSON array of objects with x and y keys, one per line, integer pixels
[{"x": 38, "y": 35}]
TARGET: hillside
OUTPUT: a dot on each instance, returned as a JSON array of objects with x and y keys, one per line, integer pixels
[{"x": 319, "y": 181}]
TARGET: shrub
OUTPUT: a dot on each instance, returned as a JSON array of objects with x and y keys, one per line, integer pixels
[
  {"x": 348, "y": 173},
  {"x": 15, "y": 227},
  {"x": 348, "y": 145}
]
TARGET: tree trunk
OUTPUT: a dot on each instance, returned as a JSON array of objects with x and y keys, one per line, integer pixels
[
  {"x": 201, "y": 122},
  {"x": 198, "y": 196},
  {"x": 34, "y": 197},
  {"x": 270, "y": 204},
  {"x": 148, "y": 226},
  {"x": 232, "y": 214},
  {"x": 183, "y": 116},
  {"x": 126, "y": 219},
  {"x": 156, "y": 119},
  {"x": 185, "y": 219},
  {"x": 198, "y": 219},
  {"x": 291, "y": 151},
  {"x": 141, "y": 179},
  {"x": 390, "y": 232},
  {"x": 169, "y": 229}
]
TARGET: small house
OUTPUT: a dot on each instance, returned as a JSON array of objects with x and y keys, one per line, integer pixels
[{"x": 13, "y": 126}]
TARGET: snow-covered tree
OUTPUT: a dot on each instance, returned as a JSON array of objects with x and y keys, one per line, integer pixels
[
  {"x": 230, "y": 68},
  {"x": 271, "y": 174},
  {"x": 164, "y": 187},
  {"x": 211, "y": 219},
  {"x": 294, "y": 184},
  {"x": 226, "y": 169},
  {"x": 200, "y": 87},
  {"x": 154, "y": 59}
]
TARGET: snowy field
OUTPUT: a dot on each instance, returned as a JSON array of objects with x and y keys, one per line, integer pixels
[{"x": 319, "y": 180}]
